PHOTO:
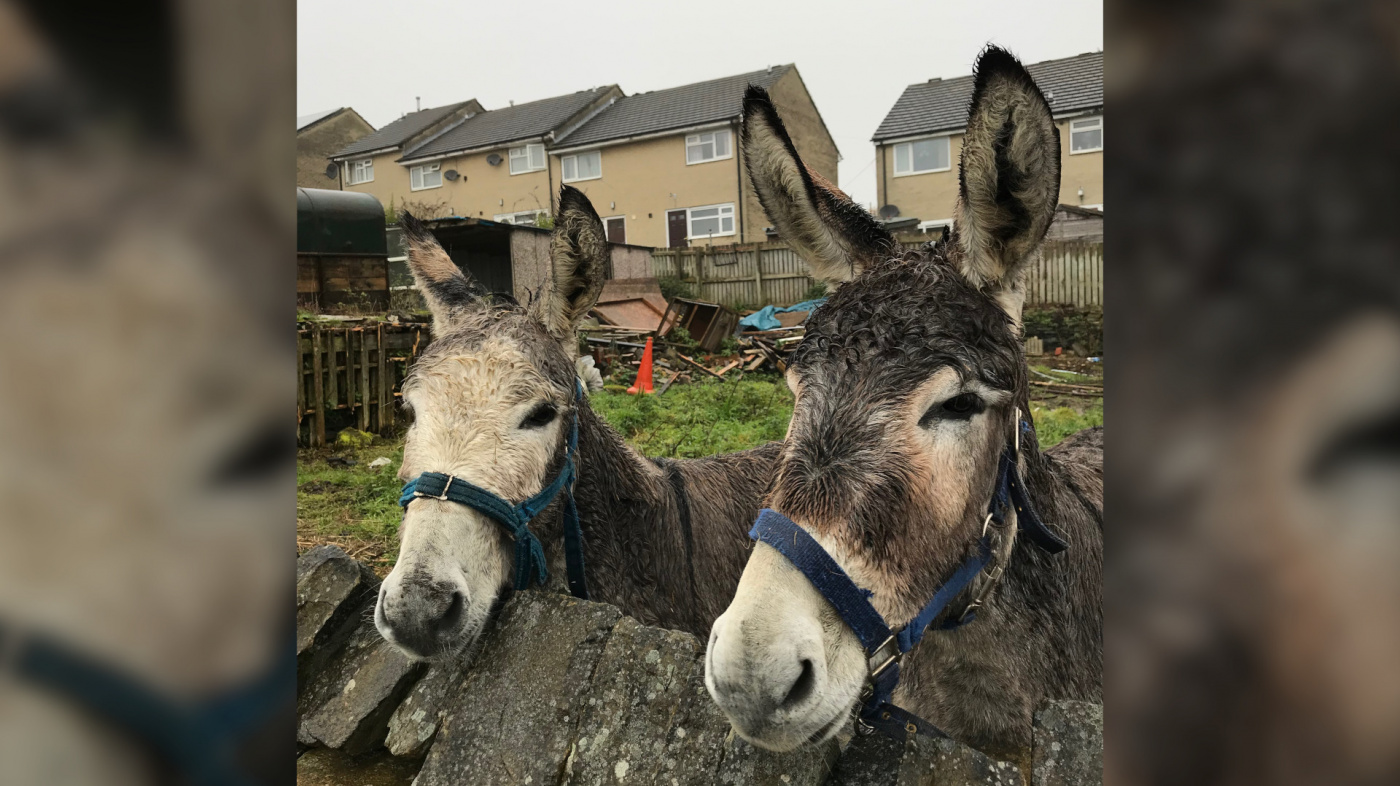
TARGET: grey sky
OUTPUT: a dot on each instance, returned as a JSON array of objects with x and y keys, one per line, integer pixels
[{"x": 855, "y": 58}]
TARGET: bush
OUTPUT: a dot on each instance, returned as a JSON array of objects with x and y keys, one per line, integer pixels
[
  {"x": 673, "y": 287},
  {"x": 681, "y": 337},
  {"x": 817, "y": 290},
  {"x": 1066, "y": 326}
]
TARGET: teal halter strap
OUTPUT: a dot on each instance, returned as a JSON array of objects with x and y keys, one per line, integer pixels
[{"x": 530, "y": 562}]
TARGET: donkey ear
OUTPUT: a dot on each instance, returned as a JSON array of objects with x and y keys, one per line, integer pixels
[
  {"x": 447, "y": 290},
  {"x": 834, "y": 235},
  {"x": 578, "y": 254},
  {"x": 1009, "y": 177}
]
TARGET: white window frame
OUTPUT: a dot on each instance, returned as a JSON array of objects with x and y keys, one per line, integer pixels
[
  {"x": 510, "y": 218},
  {"x": 351, "y": 166},
  {"x": 947, "y": 140},
  {"x": 938, "y": 223},
  {"x": 1085, "y": 121},
  {"x": 696, "y": 140},
  {"x": 690, "y": 221},
  {"x": 420, "y": 171},
  {"x": 564, "y": 162},
  {"x": 527, "y": 152}
]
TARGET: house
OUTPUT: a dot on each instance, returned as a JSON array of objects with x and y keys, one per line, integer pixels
[
  {"x": 370, "y": 164},
  {"x": 494, "y": 165},
  {"x": 664, "y": 169},
  {"x": 319, "y": 136},
  {"x": 920, "y": 141}
]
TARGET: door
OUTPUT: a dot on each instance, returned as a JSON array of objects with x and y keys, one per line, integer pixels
[
  {"x": 617, "y": 229},
  {"x": 676, "y": 228}
]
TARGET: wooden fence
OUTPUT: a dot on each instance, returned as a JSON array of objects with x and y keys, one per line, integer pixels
[
  {"x": 355, "y": 370},
  {"x": 760, "y": 274}
]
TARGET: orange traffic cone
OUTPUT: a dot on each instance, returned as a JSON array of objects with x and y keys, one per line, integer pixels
[{"x": 644, "y": 380}]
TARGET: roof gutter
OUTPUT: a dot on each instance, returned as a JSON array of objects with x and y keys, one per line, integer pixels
[
  {"x": 640, "y": 137},
  {"x": 947, "y": 130},
  {"x": 467, "y": 151},
  {"x": 373, "y": 152}
]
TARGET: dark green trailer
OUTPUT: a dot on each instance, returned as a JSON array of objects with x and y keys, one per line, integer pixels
[{"x": 342, "y": 256}]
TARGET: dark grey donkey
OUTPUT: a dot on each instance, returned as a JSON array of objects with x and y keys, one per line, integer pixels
[
  {"x": 492, "y": 399},
  {"x": 908, "y": 384}
]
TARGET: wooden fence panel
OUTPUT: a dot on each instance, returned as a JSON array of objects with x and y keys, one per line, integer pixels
[
  {"x": 760, "y": 274},
  {"x": 356, "y": 369}
]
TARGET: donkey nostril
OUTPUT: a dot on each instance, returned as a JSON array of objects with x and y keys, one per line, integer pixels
[
  {"x": 802, "y": 689},
  {"x": 450, "y": 618}
]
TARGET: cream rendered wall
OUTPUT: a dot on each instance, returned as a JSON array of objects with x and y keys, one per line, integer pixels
[
  {"x": 390, "y": 178},
  {"x": 1084, "y": 170},
  {"x": 638, "y": 179},
  {"x": 932, "y": 196},
  {"x": 809, "y": 135}
]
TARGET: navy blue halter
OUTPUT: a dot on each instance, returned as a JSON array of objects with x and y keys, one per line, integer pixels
[
  {"x": 515, "y": 517},
  {"x": 884, "y": 649},
  {"x": 201, "y": 740}
]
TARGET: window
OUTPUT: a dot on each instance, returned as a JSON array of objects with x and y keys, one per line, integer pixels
[
  {"x": 361, "y": 171},
  {"x": 1086, "y": 135},
  {"x": 584, "y": 166},
  {"x": 425, "y": 176},
  {"x": 712, "y": 220},
  {"x": 709, "y": 146},
  {"x": 529, "y": 158},
  {"x": 925, "y": 155},
  {"x": 937, "y": 225},
  {"x": 525, "y": 218}
]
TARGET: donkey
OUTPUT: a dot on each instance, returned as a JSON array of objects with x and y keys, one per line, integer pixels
[
  {"x": 908, "y": 385},
  {"x": 493, "y": 400}
]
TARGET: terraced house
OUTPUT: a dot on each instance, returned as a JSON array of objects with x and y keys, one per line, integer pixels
[
  {"x": 920, "y": 141},
  {"x": 662, "y": 168}
]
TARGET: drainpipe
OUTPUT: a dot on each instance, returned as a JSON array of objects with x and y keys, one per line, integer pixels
[
  {"x": 549, "y": 174},
  {"x": 884, "y": 196},
  {"x": 739, "y": 176}
]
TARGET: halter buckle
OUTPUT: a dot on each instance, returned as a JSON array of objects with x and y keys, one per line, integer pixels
[
  {"x": 875, "y": 670},
  {"x": 442, "y": 496},
  {"x": 981, "y": 596},
  {"x": 1016, "y": 434}
]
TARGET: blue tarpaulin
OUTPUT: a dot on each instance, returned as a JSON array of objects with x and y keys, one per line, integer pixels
[{"x": 763, "y": 318}]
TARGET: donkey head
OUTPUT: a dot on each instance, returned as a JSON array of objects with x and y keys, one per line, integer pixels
[
  {"x": 906, "y": 386},
  {"x": 492, "y": 399}
]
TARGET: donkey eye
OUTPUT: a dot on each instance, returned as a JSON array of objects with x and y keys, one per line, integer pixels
[
  {"x": 542, "y": 415},
  {"x": 960, "y": 407}
]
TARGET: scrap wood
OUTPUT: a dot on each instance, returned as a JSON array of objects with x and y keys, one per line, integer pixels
[
  {"x": 758, "y": 360},
  {"x": 1072, "y": 390},
  {"x": 693, "y": 362},
  {"x": 728, "y": 367},
  {"x": 667, "y": 383}
]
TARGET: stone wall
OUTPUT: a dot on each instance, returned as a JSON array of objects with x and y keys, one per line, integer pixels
[{"x": 563, "y": 691}]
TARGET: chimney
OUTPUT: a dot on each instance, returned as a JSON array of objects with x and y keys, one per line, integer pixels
[
  {"x": 419, "y": 99},
  {"x": 512, "y": 103}
]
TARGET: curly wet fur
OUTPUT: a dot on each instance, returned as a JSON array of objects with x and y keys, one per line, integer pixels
[
  {"x": 666, "y": 544},
  {"x": 899, "y": 497}
]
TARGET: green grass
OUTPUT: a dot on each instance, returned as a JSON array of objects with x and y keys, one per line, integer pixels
[
  {"x": 701, "y": 418},
  {"x": 355, "y": 507},
  {"x": 1053, "y": 425}
]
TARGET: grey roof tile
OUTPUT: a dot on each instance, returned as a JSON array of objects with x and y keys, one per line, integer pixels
[
  {"x": 401, "y": 130},
  {"x": 676, "y": 107},
  {"x": 499, "y": 126},
  {"x": 1069, "y": 84}
]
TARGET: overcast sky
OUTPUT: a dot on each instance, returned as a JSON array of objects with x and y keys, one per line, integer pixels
[{"x": 855, "y": 57}]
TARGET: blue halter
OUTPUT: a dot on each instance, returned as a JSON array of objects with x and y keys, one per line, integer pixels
[
  {"x": 529, "y": 553},
  {"x": 884, "y": 649},
  {"x": 199, "y": 739}
]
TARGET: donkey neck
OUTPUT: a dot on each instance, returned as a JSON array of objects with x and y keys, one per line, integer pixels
[{"x": 638, "y": 554}]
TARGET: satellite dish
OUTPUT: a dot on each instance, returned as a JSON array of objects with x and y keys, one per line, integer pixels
[
  {"x": 494, "y": 159},
  {"x": 889, "y": 211},
  {"x": 332, "y": 171},
  {"x": 451, "y": 174}
]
